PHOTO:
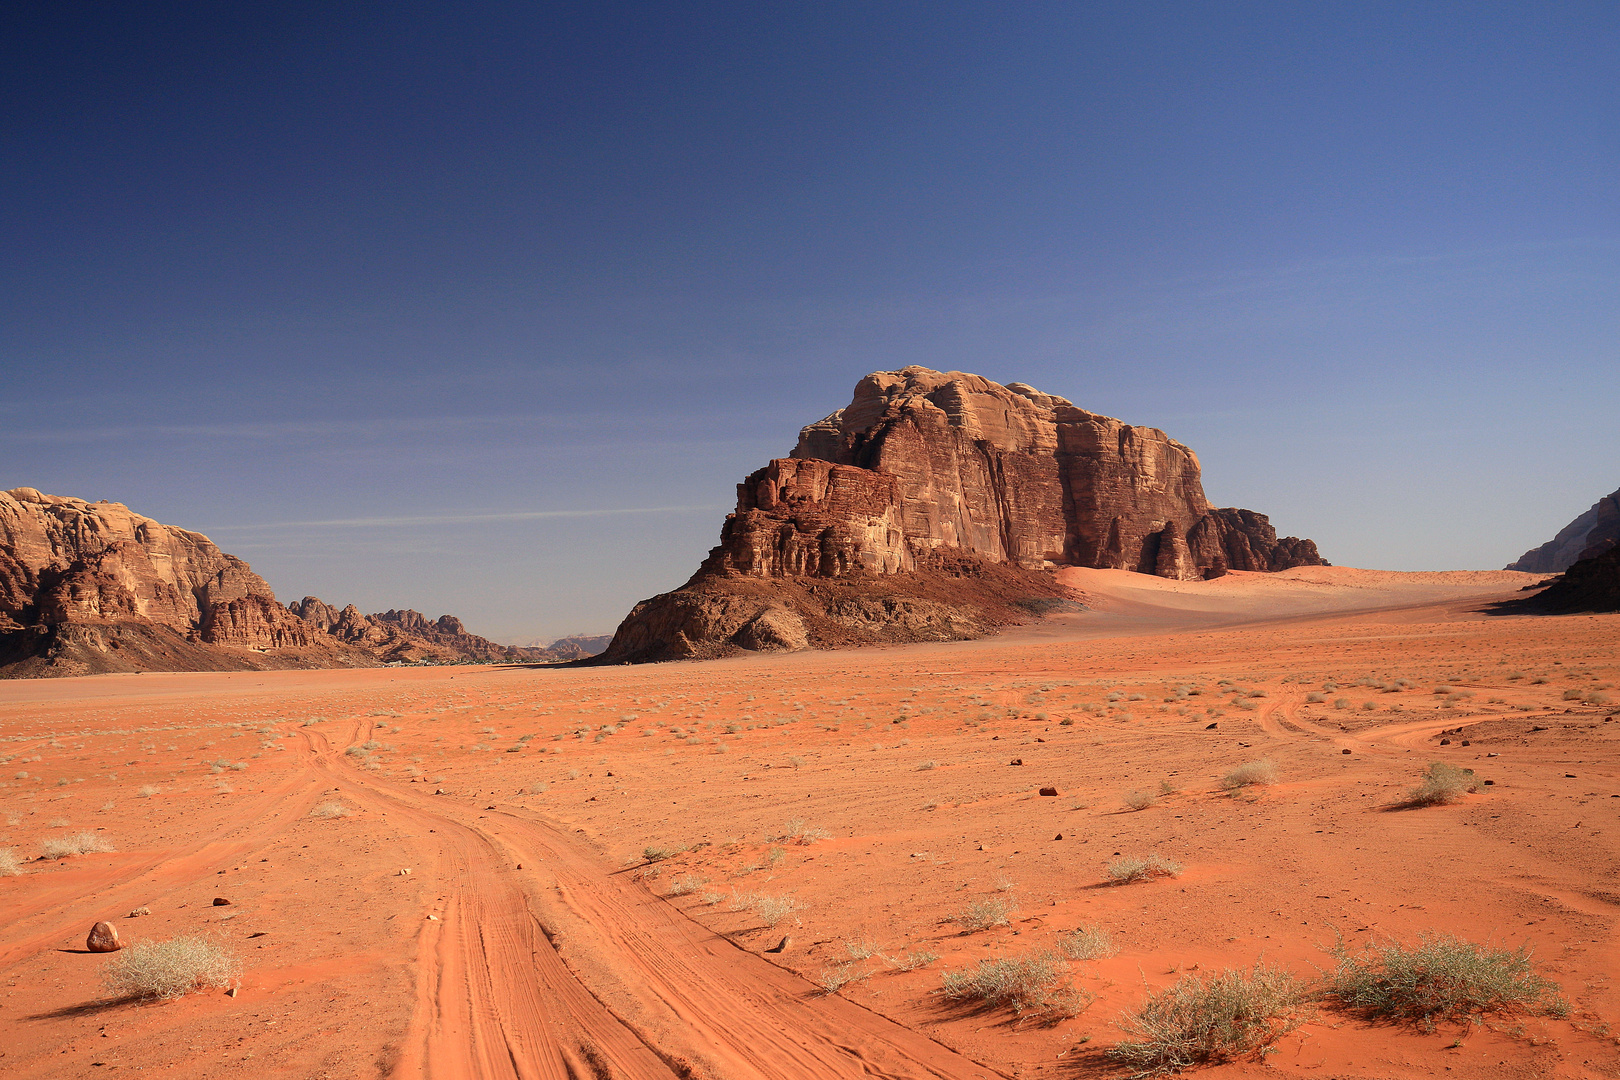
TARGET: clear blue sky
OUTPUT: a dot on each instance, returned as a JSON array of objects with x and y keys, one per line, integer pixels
[{"x": 446, "y": 283}]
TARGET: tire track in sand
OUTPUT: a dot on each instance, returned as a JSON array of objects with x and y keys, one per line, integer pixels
[{"x": 667, "y": 997}]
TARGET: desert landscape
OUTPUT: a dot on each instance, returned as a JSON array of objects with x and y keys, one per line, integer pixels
[
  {"x": 544, "y": 871},
  {"x": 833, "y": 541}
]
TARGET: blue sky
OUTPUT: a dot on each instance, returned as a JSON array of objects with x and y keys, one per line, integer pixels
[{"x": 485, "y": 308}]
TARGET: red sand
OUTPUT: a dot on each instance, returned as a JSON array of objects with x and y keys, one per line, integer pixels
[{"x": 589, "y": 962}]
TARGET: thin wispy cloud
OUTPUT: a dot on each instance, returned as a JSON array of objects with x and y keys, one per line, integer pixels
[{"x": 460, "y": 519}]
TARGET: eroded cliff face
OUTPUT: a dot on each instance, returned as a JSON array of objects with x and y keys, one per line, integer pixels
[
  {"x": 925, "y": 465},
  {"x": 94, "y": 587},
  {"x": 70, "y": 562},
  {"x": 924, "y": 460}
]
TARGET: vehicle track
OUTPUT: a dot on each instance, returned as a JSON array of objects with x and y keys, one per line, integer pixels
[{"x": 646, "y": 992}]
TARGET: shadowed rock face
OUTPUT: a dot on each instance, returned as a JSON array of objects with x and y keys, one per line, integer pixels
[
  {"x": 923, "y": 464},
  {"x": 1590, "y": 535},
  {"x": 1592, "y": 584}
]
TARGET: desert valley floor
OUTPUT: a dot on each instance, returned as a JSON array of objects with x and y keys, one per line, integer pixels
[{"x": 577, "y": 872}]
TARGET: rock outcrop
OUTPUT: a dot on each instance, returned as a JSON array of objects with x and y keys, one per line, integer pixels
[
  {"x": 1590, "y": 535},
  {"x": 925, "y": 470},
  {"x": 1592, "y": 584},
  {"x": 94, "y": 587}
]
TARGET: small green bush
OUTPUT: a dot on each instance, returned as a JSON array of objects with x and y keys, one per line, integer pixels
[
  {"x": 1441, "y": 978},
  {"x": 1200, "y": 1022}
]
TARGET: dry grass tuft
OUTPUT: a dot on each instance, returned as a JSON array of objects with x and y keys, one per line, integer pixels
[
  {"x": 330, "y": 810},
  {"x": 1255, "y": 772},
  {"x": 1441, "y": 784},
  {"x": 1087, "y": 943},
  {"x": 1442, "y": 978},
  {"x": 84, "y": 843},
  {"x": 1200, "y": 1022},
  {"x": 168, "y": 969},
  {"x": 1142, "y": 868},
  {"x": 10, "y": 862},
  {"x": 1035, "y": 982},
  {"x": 685, "y": 884},
  {"x": 983, "y": 914},
  {"x": 1139, "y": 800}
]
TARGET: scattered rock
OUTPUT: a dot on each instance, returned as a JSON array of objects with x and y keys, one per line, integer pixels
[
  {"x": 405, "y": 872},
  {"x": 231, "y": 992},
  {"x": 1016, "y": 761},
  {"x": 781, "y": 946},
  {"x": 1569, "y": 776},
  {"x": 438, "y": 791},
  {"x": 103, "y": 938},
  {"x": 1445, "y": 742},
  {"x": 1049, "y": 791},
  {"x": 1490, "y": 783},
  {"x": 1059, "y": 836},
  {"x": 1211, "y": 727},
  {"x": 433, "y": 918},
  {"x": 138, "y": 912},
  {"x": 220, "y": 901},
  {"x": 1344, "y": 751}
]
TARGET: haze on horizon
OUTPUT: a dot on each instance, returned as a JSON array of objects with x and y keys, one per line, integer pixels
[{"x": 485, "y": 309}]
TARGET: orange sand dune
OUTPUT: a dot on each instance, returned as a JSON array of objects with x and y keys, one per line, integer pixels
[{"x": 856, "y": 803}]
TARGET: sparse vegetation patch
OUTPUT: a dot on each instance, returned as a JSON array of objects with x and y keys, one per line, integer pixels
[
  {"x": 1200, "y": 1021},
  {"x": 1442, "y": 978}
]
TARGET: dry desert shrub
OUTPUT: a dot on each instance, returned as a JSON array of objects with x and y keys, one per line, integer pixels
[
  {"x": 168, "y": 969},
  {"x": 653, "y": 853},
  {"x": 835, "y": 978},
  {"x": 1142, "y": 868},
  {"x": 1254, "y": 772},
  {"x": 1441, "y": 978},
  {"x": 1442, "y": 783},
  {"x": 1035, "y": 982},
  {"x": 683, "y": 884},
  {"x": 330, "y": 810},
  {"x": 10, "y": 862},
  {"x": 83, "y": 843},
  {"x": 773, "y": 909},
  {"x": 912, "y": 960},
  {"x": 1139, "y": 800},
  {"x": 148, "y": 790},
  {"x": 1087, "y": 943},
  {"x": 1199, "y": 1021},
  {"x": 983, "y": 914}
]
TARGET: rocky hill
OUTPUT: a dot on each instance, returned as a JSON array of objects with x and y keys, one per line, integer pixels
[
  {"x": 1592, "y": 584},
  {"x": 94, "y": 587},
  {"x": 1590, "y": 535},
  {"x": 933, "y": 507}
]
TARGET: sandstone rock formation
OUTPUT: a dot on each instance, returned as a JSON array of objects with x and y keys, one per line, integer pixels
[
  {"x": 409, "y": 637},
  {"x": 925, "y": 470},
  {"x": 94, "y": 587},
  {"x": 1592, "y": 584},
  {"x": 1590, "y": 535}
]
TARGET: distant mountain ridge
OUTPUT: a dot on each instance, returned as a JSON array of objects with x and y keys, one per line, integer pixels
[
  {"x": 1588, "y": 536},
  {"x": 94, "y": 587}
]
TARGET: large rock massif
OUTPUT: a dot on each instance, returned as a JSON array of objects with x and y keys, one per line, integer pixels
[
  {"x": 932, "y": 507},
  {"x": 1588, "y": 536},
  {"x": 94, "y": 587}
]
